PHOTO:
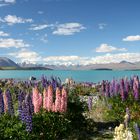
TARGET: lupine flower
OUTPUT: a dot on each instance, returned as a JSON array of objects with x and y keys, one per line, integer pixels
[
  {"x": 1, "y": 103},
  {"x": 53, "y": 107},
  {"x": 131, "y": 82},
  {"x": 103, "y": 87},
  {"x": 28, "y": 119},
  {"x": 27, "y": 113},
  {"x": 135, "y": 91},
  {"x": 122, "y": 92},
  {"x": 127, "y": 117},
  {"x": 90, "y": 99},
  {"x": 37, "y": 100},
  {"x": 122, "y": 134},
  {"x": 122, "y": 85},
  {"x": 107, "y": 89},
  {"x": 136, "y": 80},
  {"x": 58, "y": 100},
  {"x": 30, "y": 103},
  {"x": 117, "y": 88},
  {"x": 137, "y": 129},
  {"x": 44, "y": 81},
  {"x": 54, "y": 83},
  {"x": 5, "y": 98},
  {"x": 45, "y": 99},
  {"x": 8, "y": 102},
  {"x": 40, "y": 100},
  {"x": 21, "y": 97},
  {"x": 111, "y": 90},
  {"x": 64, "y": 100},
  {"x": 127, "y": 87},
  {"x": 23, "y": 111},
  {"x": 50, "y": 98}
]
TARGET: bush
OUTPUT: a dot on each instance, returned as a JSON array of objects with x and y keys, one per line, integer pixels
[{"x": 12, "y": 128}]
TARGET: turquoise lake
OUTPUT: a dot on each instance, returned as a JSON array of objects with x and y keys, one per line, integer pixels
[{"x": 78, "y": 76}]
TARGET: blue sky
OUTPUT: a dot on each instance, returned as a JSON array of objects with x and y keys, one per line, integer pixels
[{"x": 70, "y": 31}]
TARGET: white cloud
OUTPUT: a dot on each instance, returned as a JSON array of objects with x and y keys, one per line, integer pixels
[
  {"x": 101, "y": 26},
  {"x": 68, "y": 29},
  {"x": 132, "y": 38},
  {"x": 39, "y": 27},
  {"x": 44, "y": 38},
  {"x": 116, "y": 58},
  {"x": 6, "y": 2},
  {"x": 25, "y": 55},
  {"x": 64, "y": 60},
  {"x": 3, "y": 34},
  {"x": 40, "y": 12},
  {"x": 61, "y": 58},
  {"x": 13, "y": 19},
  {"x": 107, "y": 48},
  {"x": 103, "y": 59},
  {"x": 12, "y": 43},
  {"x": 3, "y": 4}
]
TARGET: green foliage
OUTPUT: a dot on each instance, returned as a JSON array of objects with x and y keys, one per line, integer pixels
[
  {"x": 75, "y": 111},
  {"x": 117, "y": 108},
  {"x": 49, "y": 125},
  {"x": 12, "y": 128}
]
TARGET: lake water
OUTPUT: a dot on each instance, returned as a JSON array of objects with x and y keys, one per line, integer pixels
[{"x": 79, "y": 76}]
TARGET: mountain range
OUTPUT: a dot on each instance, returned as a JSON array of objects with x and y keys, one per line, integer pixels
[{"x": 123, "y": 65}]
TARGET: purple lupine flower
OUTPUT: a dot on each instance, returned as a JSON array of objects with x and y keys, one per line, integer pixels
[
  {"x": 127, "y": 86},
  {"x": 137, "y": 129},
  {"x": 111, "y": 90},
  {"x": 137, "y": 81},
  {"x": 1, "y": 103},
  {"x": 31, "y": 103},
  {"x": 122, "y": 94},
  {"x": 113, "y": 84},
  {"x": 26, "y": 116},
  {"x": 54, "y": 83},
  {"x": 107, "y": 89},
  {"x": 44, "y": 80},
  {"x": 90, "y": 99},
  {"x": 131, "y": 83},
  {"x": 122, "y": 86},
  {"x": 23, "y": 112},
  {"x": 103, "y": 87},
  {"x": 136, "y": 94},
  {"x": 127, "y": 117},
  {"x": 21, "y": 97},
  {"x": 117, "y": 88},
  {"x": 10, "y": 104}
]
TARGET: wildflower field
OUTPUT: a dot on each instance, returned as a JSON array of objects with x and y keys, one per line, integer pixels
[{"x": 48, "y": 109}]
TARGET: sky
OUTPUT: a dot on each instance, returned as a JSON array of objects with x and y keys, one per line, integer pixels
[{"x": 70, "y": 32}]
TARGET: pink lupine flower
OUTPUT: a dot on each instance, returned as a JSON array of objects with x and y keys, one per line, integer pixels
[
  {"x": 53, "y": 107},
  {"x": 50, "y": 98},
  {"x": 40, "y": 100},
  {"x": 5, "y": 99},
  {"x": 63, "y": 101},
  {"x": 58, "y": 100},
  {"x": 37, "y": 100},
  {"x": 45, "y": 97}
]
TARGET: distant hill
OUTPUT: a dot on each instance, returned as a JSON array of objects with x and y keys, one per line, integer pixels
[
  {"x": 126, "y": 62},
  {"x": 34, "y": 68},
  {"x": 123, "y": 65},
  {"x": 6, "y": 62}
]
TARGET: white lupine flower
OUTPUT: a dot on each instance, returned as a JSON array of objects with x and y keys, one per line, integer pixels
[{"x": 122, "y": 134}]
